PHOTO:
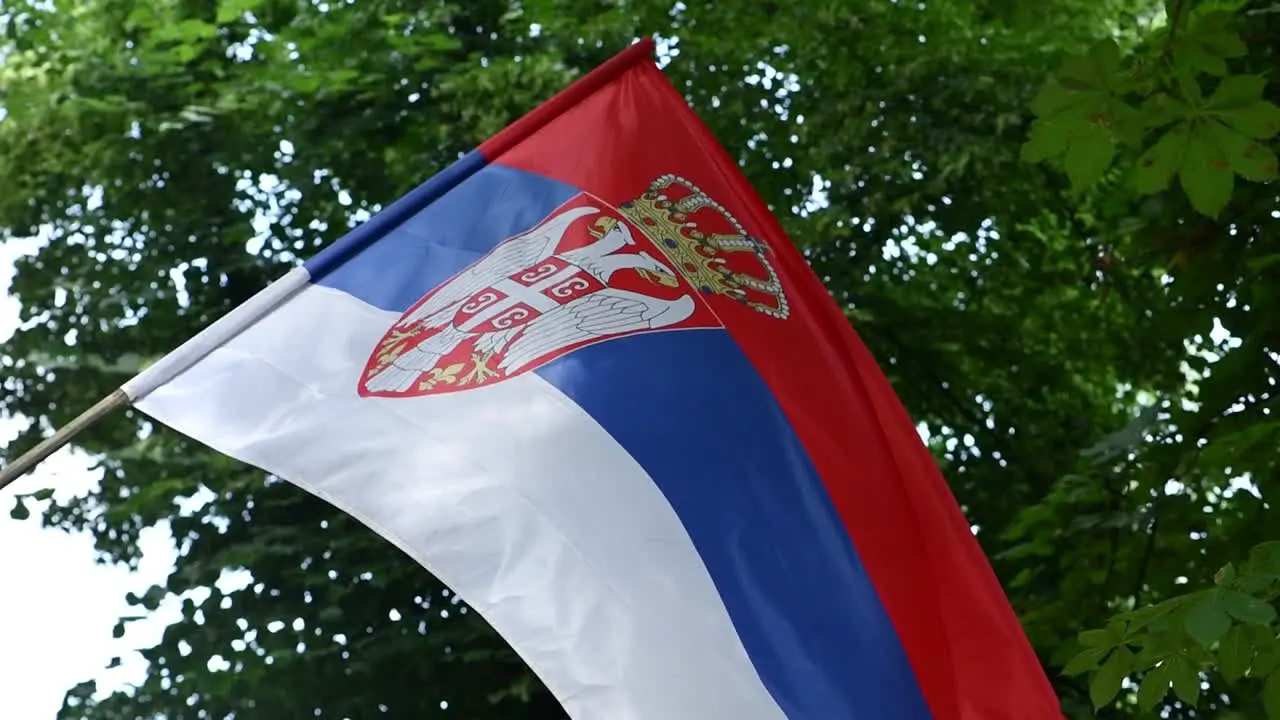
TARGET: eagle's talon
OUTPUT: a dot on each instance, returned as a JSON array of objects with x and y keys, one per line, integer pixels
[{"x": 479, "y": 369}]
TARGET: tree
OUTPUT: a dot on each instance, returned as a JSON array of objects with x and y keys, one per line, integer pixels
[
  {"x": 1191, "y": 100},
  {"x": 180, "y": 155}
]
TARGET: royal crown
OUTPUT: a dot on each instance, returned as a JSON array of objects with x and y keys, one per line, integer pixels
[{"x": 707, "y": 245}]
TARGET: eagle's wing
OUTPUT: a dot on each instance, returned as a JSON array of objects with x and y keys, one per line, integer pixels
[
  {"x": 492, "y": 342},
  {"x": 400, "y": 374},
  {"x": 508, "y": 258},
  {"x": 599, "y": 315}
]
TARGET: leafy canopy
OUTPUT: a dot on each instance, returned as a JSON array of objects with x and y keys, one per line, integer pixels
[{"x": 1190, "y": 98}]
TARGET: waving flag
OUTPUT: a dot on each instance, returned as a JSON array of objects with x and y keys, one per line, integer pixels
[{"x": 583, "y": 377}]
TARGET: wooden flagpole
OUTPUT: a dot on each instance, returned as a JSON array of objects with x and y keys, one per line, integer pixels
[{"x": 64, "y": 435}]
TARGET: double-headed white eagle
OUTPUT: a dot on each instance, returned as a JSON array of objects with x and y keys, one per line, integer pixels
[{"x": 594, "y": 316}]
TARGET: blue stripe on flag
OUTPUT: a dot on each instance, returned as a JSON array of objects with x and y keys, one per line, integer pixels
[
  {"x": 692, "y": 411},
  {"x": 405, "y": 255}
]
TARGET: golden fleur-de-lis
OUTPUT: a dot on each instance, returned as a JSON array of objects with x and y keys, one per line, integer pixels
[{"x": 441, "y": 375}]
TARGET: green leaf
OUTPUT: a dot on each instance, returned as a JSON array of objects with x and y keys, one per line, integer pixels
[
  {"x": 1271, "y": 696},
  {"x": 1142, "y": 617},
  {"x": 1246, "y": 158},
  {"x": 1237, "y": 91},
  {"x": 1080, "y": 114},
  {"x": 1077, "y": 117},
  {"x": 1225, "y": 575},
  {"x": 1106, "y": 683},
  {"x": 1238, "y": 102},
  {"x": 1235, "y": 652},
  {"x": 1161, "y": 161},
  {"x": 1154, "y": 686},
  {"x": 1189, "y": 86},
  {"x": 1266, "y": 653},
  {"x": 1208, "y": 44},
  {"x": 1205, "y": 173},
  {"x": 1186, "y": 679},
  {"x": 1126, "y": 122},
  {"x": 1208, "y": 620},
  {"x": 1104, "y": 639},
  {"x": 1049, "y": 138},
  {"x": 1214, "y": 32},
  {"x": 1086, "y": 660},
  {"x": 1264, "y": 262},
  {"x": 1247, "y": 608},
  {"x": 190, "y": 30},
  {"x": 1197, "y": 58},
  {"x": 1088, "y": 158},
  {"x": 152, "y": 597},
  {"x": 1240, "y": 445},
  {"x": 1260, "y": 120},
  {"x": 1159, "y": 645},
  {"x": 1265, "y": 557},
  {"x": 231, "y": 10},
  {"x": 1052, "y": 99},
  {"x": 1161, "y": 109},
  {"x": 20, "y": 510},
  {"x": 1098, "y": 68}
]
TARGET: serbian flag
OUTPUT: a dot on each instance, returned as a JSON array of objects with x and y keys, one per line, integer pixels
[{"x": 583, "y": 377}]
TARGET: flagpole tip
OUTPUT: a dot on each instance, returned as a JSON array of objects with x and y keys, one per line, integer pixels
[{"x": 639, "y": 51}]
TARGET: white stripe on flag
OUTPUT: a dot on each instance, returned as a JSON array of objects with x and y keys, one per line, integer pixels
[{"x": 512, "y": 494}]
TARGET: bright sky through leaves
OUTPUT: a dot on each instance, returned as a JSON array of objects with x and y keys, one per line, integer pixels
[{"x": 58, "y": 607}]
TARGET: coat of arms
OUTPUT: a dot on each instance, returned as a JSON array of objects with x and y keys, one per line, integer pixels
[{"x": 587, "y": 273}]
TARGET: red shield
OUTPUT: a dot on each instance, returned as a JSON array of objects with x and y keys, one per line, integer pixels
[{"x": 462, "y": 346}]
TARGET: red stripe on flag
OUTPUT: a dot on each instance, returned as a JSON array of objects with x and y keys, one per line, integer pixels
[
  {"x": 613, "y": 133},
  {"x": 581, "y": 89}
]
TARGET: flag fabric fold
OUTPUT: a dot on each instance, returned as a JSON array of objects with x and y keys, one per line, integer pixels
[{"x": 583, "y": 377}]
